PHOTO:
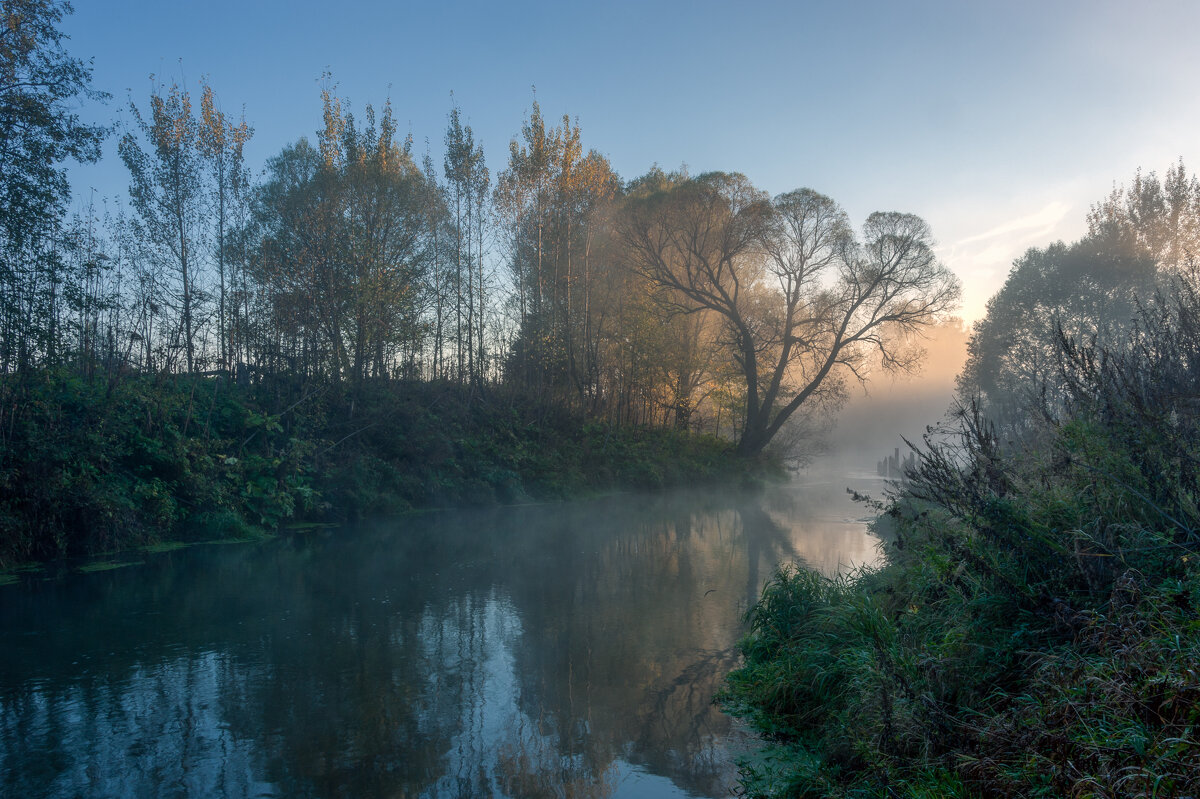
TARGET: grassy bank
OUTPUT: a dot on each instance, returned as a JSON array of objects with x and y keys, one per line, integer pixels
[
  {"x": 1036, "y": 630},
  {"x": 98, "y": 465}
]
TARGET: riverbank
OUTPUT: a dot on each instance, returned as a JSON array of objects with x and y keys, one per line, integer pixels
[
  {"x": 92, "y": 465},
  {"x": 1036, "y": 628}
]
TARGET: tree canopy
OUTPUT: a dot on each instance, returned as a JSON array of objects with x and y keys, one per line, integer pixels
[
  {"x": 343, "y": 248},
  {"x": 803, "y": 302},
  {"x": 1140, "y": 238},
  {"x": 700, "y": 303},
  {"x": 39, "y": 129}
]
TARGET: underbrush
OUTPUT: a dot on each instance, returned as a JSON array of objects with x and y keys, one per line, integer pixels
[
  {"x": 1036, "y": 629},
  {"x": 97, "y": 464},
  {"x": 438, "y": 445},
  {"x": 91, "y": 465}
]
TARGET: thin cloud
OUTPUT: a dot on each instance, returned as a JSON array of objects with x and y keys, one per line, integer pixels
[{"x": 1039, "y": 223}]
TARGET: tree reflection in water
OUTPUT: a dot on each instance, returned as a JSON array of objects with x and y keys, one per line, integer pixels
[{"x": 568, "y": 650}]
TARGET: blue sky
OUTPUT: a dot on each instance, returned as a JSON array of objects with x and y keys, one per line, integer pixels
[{"x": 999, "y": 123}]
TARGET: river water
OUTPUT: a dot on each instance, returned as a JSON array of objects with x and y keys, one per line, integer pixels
[{"x": 552, "y": 650}]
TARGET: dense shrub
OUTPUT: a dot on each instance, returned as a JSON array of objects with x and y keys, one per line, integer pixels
[
  {"x": 1036, "y": 629},
  {"x": 90, "y": 465}
]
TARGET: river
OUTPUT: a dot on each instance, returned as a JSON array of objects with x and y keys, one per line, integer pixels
[{"x": 551, "y": 650}]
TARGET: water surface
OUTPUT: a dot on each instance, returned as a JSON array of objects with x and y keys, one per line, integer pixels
[{"x": 555, "y": 650}]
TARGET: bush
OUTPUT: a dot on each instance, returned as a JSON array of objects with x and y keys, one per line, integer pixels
[
  {"x": 1036, "y": 627},
  {"x": 90, "y": 465},
  {"x": 93, "y": 465}
]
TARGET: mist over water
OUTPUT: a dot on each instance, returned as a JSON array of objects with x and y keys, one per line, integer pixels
[
  {"x": 874, "y": 422},
  {"x": 537, "y": 651}
]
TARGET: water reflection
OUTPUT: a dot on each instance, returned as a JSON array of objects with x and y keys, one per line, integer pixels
[{"x": 565, "y": 650}]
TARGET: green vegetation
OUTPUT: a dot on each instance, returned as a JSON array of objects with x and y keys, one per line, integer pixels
[
  {"x": 94, "y": 466},
  {"x": 360, "y": 332},
  {"x": 699, "y": 303},
  {"x": 1036, "y": 628}
]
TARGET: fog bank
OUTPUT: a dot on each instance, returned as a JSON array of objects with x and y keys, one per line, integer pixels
[{"x": 872, "y": 423}]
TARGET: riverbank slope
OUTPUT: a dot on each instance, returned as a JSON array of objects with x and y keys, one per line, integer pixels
[
  {"x": 1036, "y": 628},
  {"x": 90, "y": 465}
]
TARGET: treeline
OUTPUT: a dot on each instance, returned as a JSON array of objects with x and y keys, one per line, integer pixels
[
  {"x": 350, "y": 259},
  {"x": 356, "y": 270},
  {"x": 1034, "y": 630},
  {"x": 700, "y": 303}
]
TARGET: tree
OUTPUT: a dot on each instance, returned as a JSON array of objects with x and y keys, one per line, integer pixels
[
  {"x": 1161, "y": 219},
  {"x": 478, "y": 215},
  {"x": 524, "y": 194},
  {"x": 167, "y": 191},
  {"x": 556, "y": 200},
  {"x": 587, "y": 189},
  {"x": 442, "y": 263},
  {"x": 343, "y": 241},
  {"x": 802, "y": 302},
  {"x": 1088, "y": 291},
  {"x": 468, "y": 188},
  {"x": 39, "y": 129},
  {"x": 1141, "y": 239},
  {"x": 222, "y": 144}
]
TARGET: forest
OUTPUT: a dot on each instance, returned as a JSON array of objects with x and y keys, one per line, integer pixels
[{"x": 359, "y": 329}]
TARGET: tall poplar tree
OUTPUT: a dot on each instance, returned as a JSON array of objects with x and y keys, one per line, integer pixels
[
  {"x": 167, "y": 192},
  {"x": 222, "y": 144},
  {"x": 525, "y": 194},
  {"x": 468, "y": 185}
]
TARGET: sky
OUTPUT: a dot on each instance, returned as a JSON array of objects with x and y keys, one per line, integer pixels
[{"x": 999, "y": 123}]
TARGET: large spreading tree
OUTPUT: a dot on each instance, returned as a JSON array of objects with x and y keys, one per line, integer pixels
[{"x": 803, "y": 301}]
